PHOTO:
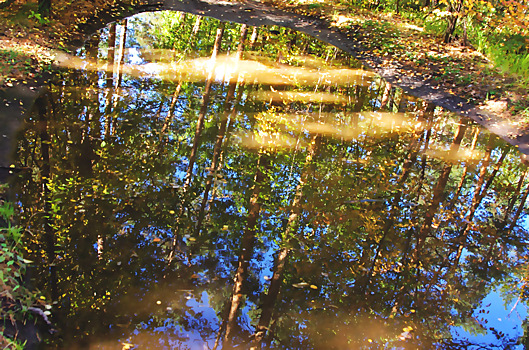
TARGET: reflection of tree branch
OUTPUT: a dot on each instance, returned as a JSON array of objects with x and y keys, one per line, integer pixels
[
  {"x": 203, "y": 108},
  {"x": 49, "y": 238},
  {"x": 221, "y": 132},
  {"x": 271, "y": 297},
  {"x": 247, "y": 244}
]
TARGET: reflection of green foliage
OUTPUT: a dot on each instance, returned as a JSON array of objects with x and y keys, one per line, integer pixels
[{"x": 354, "y": 263}]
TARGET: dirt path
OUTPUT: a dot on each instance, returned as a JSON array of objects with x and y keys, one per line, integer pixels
[{"x": 428, "y": 80}]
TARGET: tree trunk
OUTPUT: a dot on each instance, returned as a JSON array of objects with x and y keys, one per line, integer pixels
[
  {"x": 455, "y": 11},
  {"x": 450, "y": 28}
]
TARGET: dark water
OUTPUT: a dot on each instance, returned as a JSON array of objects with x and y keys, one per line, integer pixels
[{"x": 295, "y": 201}]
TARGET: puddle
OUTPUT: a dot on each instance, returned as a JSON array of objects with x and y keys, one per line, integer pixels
[{"x": 267, "y": 194}]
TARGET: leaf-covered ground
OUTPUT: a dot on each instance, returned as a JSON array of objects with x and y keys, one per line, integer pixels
[
  {"x": 28, "y": 43},
  {"x": 454, "y": 68}
]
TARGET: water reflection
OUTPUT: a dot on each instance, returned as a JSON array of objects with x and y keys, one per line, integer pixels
[{"x": 283, "y": 201}]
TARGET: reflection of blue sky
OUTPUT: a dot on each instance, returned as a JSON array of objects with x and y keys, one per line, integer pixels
[
  {"x": 495, "y": 314},
  {"x": 201, "y": 307}
]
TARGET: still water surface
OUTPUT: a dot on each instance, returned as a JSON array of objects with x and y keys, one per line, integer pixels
[{"x": 262, "y": 192}]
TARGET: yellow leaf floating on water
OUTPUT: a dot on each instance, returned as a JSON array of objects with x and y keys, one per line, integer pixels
[
  {"x": 300, "y": 285},
  {"x": 312, "y": 286}
]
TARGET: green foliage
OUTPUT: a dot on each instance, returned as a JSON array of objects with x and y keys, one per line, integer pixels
[
  {"x": 506, "y": 49},
  {"x": 16, "y": 298},
  {"x": 42, "y": 19}
]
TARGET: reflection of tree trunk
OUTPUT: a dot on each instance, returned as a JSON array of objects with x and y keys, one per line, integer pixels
[
  {"x": 438, "y": 190},
  {"x": 222, "y": 132},
  {"x": 427, "y": 137},
  {"x": 170, "y": 114},
  {"x": 519, "y": 211},
  {"x": 203, "y": 108},
  {"x": 403, "y": 103},
  {"x": 116, "y": 92},
  {"x": 513, "y": 199},
  {"x": 122, "y": 46},
  {"x": 253, "y": 37},
  {"x": 501, "y": 229},
  {"x": 476, "y": 201},
  {"x": 229, "y": 130},
  {"x": 478, "y": 196},
  {"x": 176, "y": 93},
  {"x": 484, "y": 165},
  {"x": 196, "y": 26},
  {"x": 92, "y": 50},
  {"x": 385, "y": 101},
  {"x": 91, "y": 131},
  {"x": 465, "y": 169},
  {"x": 110, "y": 77},
  {"x": 247, "y": 244},
  {"x": 410, "y": 233},
  {"x": 233, "y": 114},
  {"x": 406, "y": 168},
  {"x": 270, "y": 299},
  {"x": 49, "y": 237},
  {"x": 361, "y": 93}
]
